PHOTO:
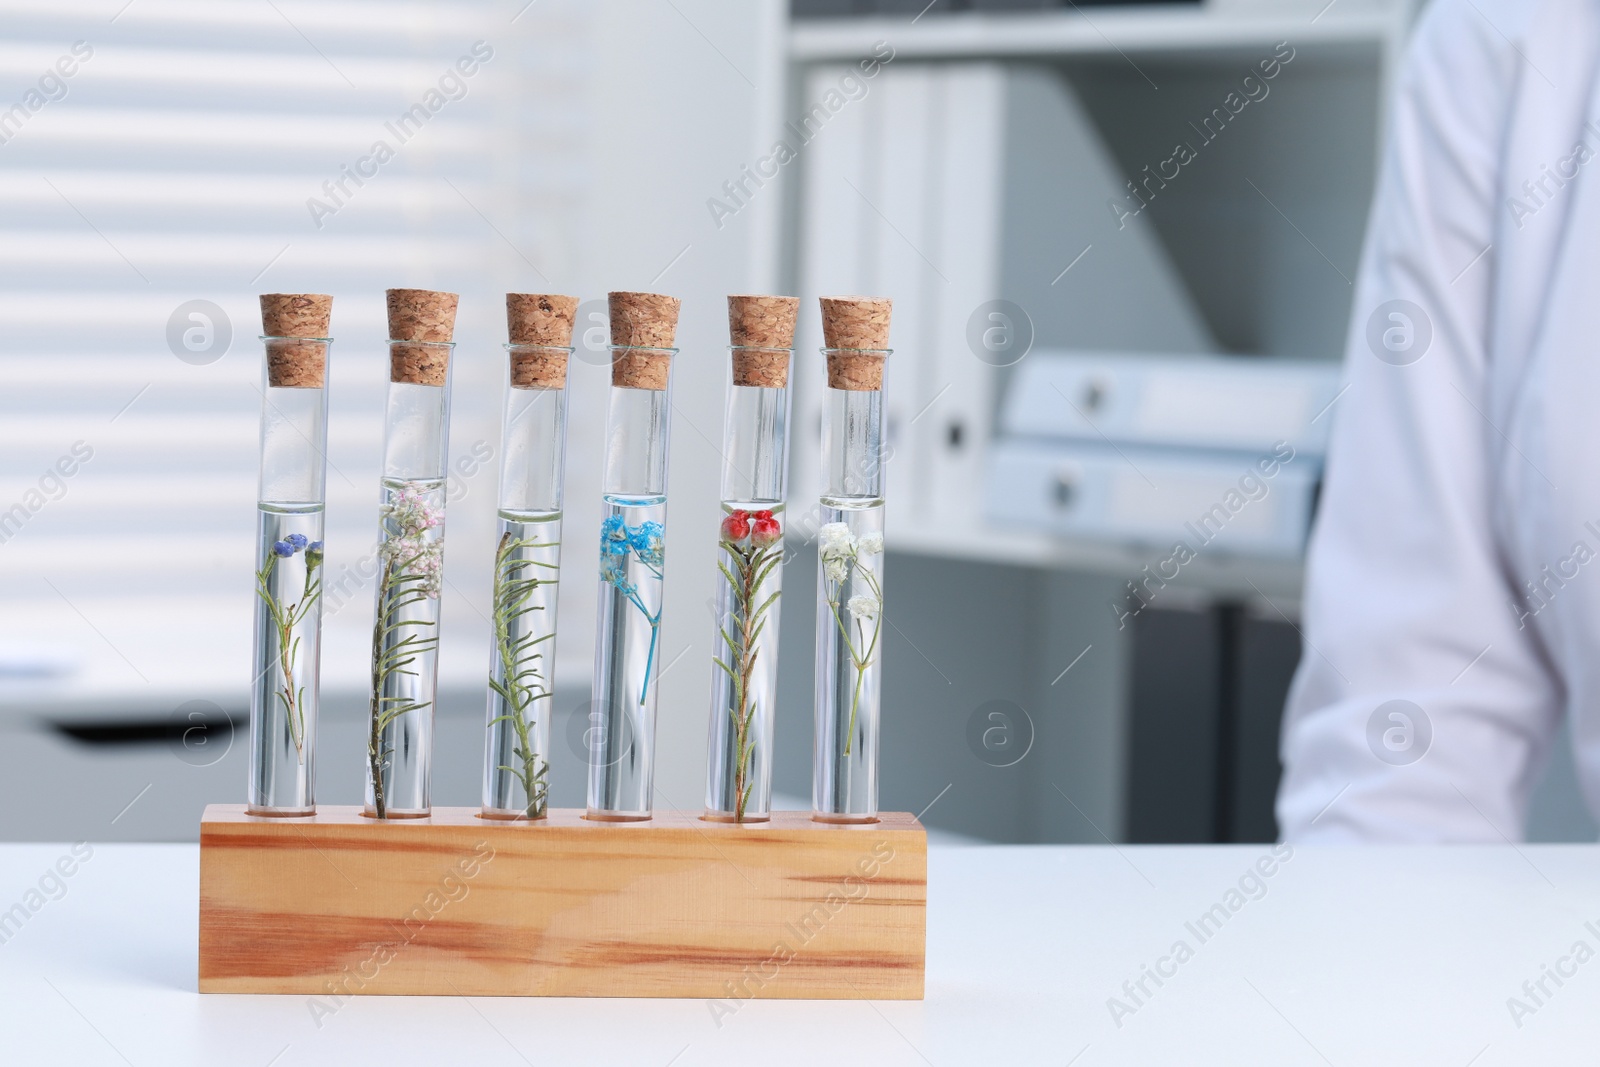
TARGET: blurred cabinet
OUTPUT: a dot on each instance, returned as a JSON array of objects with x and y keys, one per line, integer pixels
[
  {"x": 1204, "y": 709},
  {"x": 1015, "y": 181},
  {"x": 1122, "y": 185}
]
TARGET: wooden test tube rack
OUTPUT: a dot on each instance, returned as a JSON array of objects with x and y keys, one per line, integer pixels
[{"x": 678, "y": 906}]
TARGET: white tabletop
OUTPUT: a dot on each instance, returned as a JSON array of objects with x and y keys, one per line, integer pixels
[{"x": 1359, "y": 957}]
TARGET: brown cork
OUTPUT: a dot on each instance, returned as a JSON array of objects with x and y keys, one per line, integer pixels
[
  {"x": 428, "y": 320},
  {"x": 419, "y": 362},
  {"x": 762, "y": 321},
  {"x": 295, "y": 314},
  {"x": 641, "y": 368},
  {"x": 761, "y": 329},
  {"x": 644, "y": 320},
  {"x": 421, "y": 315},
  {"x": 542, "y": 322},
  {"x": 761, "y": 368},
  {"x": 855, "y": 322},
  {"x": 647, "y": 322},
  {"x": 540, "y": 318},
  {"x": 296, "y": 364},
  {"x": 538, "y": 367},
  {"x": 861, "y": 324}
]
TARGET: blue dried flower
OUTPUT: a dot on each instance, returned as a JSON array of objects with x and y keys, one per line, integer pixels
[
  {"x": 315, "y": 546},
  {"x": 614, "y": 537},
  {"x": 647, "y": 543},
  {"x": 297, "y": 540},
  {"x": 614, "y": 570},
  {"x": 282, "y": 548}
]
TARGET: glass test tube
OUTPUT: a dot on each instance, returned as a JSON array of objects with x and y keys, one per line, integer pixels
[
  {"x": 849, "y": 681},
  {"x": 744, "y": 678},
  {"x": 405, "y": 634},
  {"x": 287, "y": 640},
  {"x": 527, "y": 564},
  {"x": 628, "y": 663}
]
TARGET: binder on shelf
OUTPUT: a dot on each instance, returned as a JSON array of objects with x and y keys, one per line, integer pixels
[
  {"x": 965, "y": 191},
  {"x": 1230, "y": 403},
  {"x": 1217, "y": 453}
]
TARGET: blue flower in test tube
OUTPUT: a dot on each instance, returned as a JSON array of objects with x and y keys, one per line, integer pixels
[
  {"x": 614, "y": 546},
  {"x": 618, "y": 541},
  {"x": 297, "y": 540},
  {"x": 614, "y": 570},
  {"x": 282, "y": 548},
  {"x": 614, "y": 537},
  {"x": 648, "y": 544}
]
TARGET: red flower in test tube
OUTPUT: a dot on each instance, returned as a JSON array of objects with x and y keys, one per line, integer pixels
[
  {"x": 736, "y": 527},
  {"x": 748, "y": 563},
  {"x": 764, "y": 529}
]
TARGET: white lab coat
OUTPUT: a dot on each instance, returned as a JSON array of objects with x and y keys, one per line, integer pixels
[{"x": 1455, "y": 481}]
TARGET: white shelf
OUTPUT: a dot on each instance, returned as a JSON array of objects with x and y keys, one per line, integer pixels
[{"x": 1137, "y": 30}]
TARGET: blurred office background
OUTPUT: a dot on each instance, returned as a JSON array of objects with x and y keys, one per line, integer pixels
[{"x": 1103, "y": 345}]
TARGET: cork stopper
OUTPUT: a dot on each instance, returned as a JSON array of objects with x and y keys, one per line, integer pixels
[
  {"x": 647, "y": 321},
  {"x": 860, "y": 323},
  {"x": 295, "y": 314},
  {"x": 296, "y": 364},
  {"x": 762, "y": 321},
  {"x": 539, "y": 368},
  {"x": 540, "y": 318},
  {"x": 765, "y": 324},
  {"x": 428, "y": 319},
  {"x": 545, "y": 321}
]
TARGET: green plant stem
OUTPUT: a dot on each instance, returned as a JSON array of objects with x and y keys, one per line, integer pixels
[
  {"x": 398, "y": 591},
  {"x": 375, "y": 739},
  {"x": 517, "y": 663},
  {"x": 284, "y": 621},
  {"x": 745, "y": 580},
  {"x": 861, "y": 661}
]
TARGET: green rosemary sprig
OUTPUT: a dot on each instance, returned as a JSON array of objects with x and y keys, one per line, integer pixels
[
  {"x": 752, "y": 565},
  {"x": 411, "y": 575},
  {"x": 520, "y": 681},
  {"x": 391, "y": 658}
]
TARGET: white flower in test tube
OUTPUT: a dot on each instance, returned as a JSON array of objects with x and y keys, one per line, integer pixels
[
  {"x": 871, "y": 544},
  {"x": 835, "y": 541},
  {"x": 862, "y": 607}
]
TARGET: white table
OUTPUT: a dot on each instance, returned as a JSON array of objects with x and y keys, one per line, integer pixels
[{"x": 1349, "y": 957}]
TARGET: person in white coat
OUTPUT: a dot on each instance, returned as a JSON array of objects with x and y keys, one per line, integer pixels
[{"x": 1452, "y": 611}]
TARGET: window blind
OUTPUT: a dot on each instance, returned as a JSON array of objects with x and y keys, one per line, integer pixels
[{"x": 207, "y": 152}]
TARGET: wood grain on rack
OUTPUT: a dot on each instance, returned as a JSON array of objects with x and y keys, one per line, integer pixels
[{"x": 339, "y": 904}]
